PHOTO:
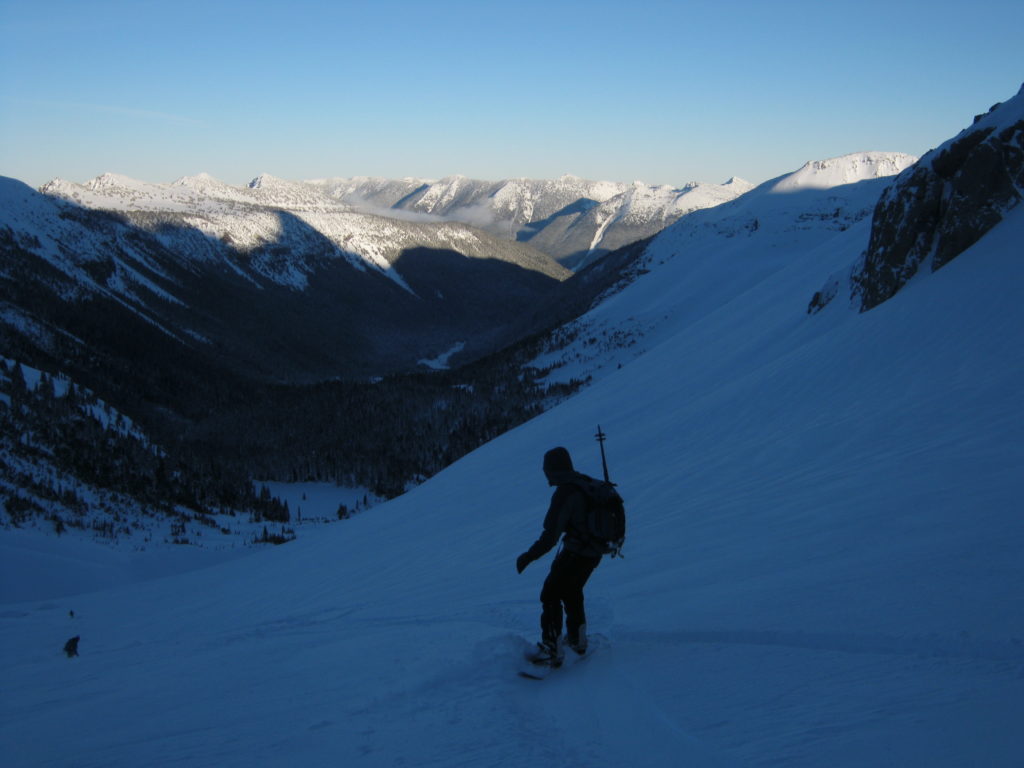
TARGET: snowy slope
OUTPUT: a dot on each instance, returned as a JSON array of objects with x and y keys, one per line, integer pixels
[
  {"x": 724, "y": 250},
  {"x": 848, "y": 169},
  {"x": 641, "y": 210},
  {"x": 823, "y": 566}
]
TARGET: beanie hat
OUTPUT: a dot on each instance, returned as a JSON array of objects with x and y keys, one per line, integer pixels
[{"x": 557, "y": 460}]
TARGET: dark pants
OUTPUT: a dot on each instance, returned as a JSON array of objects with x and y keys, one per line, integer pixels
[{"x": 564, "y": 587}]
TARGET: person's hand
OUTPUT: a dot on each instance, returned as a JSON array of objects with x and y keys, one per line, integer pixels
[{"x": 522, "y": 561}]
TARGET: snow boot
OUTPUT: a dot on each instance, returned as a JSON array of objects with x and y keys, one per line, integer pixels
[
  {"x": 578, "y": 643},
  {"x": 548, "y": 653}
]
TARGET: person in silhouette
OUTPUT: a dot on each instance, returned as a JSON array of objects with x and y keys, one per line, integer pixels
[{"x": 572, "y": 566}]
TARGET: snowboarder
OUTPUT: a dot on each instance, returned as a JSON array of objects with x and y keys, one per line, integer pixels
[{"x": 573, "y": 564}]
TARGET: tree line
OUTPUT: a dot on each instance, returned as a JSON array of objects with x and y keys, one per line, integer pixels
[
  {"x": 385, "y": 434},
  {"x": 59, "y": 441}
]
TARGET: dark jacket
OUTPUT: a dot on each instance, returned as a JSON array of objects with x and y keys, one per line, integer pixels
[{"x": 567, "y": 515}]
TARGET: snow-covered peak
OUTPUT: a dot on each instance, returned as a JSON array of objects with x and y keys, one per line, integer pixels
[
  {"x": 735, "y": 182},
  {"x": 111, "y": 191},
  {"x": 847, "y": 169},
  {"x": 58, "y": 187},
  {"x": 108, "y": 181},
  {"x": 200, "y": 181},
  {"x": 266, "y": 181},
  {"x": 268, "y": 190},
  {"x": 116, "y": 192}
]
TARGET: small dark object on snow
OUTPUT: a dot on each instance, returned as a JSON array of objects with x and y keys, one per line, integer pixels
[{"x": 71, "y": 646}]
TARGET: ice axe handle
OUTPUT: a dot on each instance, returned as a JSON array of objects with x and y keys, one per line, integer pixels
[{"x": 604, "y": 462}]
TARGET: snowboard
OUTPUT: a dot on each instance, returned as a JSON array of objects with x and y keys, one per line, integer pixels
[{"x": 533, "y": 669}]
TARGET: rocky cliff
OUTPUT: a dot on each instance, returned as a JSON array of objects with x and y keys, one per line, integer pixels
[{"x": 938, "y": 208}]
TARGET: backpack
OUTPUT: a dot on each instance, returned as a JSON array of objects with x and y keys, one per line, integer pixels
[{"x": 606, "y": 516}]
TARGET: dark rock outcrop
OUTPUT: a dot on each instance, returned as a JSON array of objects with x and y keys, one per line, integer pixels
[
  {"x": 944, "y": 204},
  {"x": 941, "y": 206}
]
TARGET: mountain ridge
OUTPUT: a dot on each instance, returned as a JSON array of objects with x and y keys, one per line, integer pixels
[{"x": 573, "y": 220}]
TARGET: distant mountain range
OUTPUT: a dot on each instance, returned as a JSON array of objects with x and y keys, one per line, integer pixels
[{"x": 573, "y": 220}]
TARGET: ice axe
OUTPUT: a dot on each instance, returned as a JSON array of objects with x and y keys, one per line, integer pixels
[{"x": 601, "y": 437}]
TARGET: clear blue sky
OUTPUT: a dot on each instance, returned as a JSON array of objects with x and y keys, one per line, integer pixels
[{"x": 665, "y": 92}]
